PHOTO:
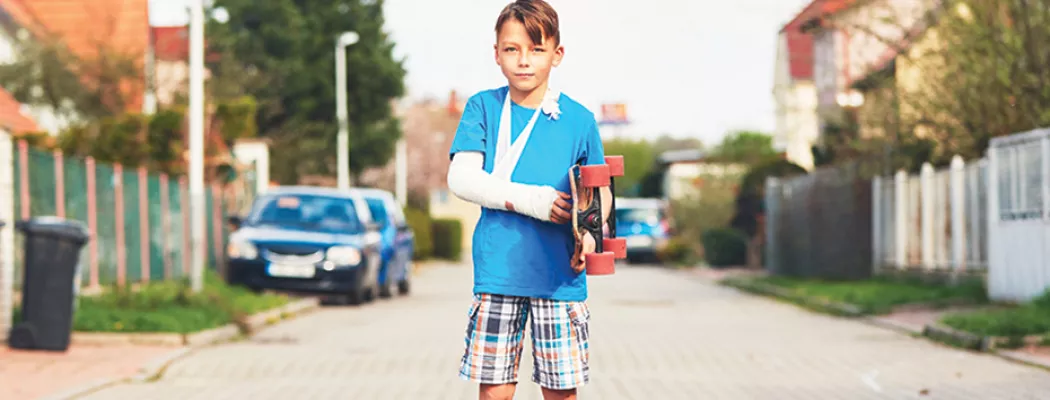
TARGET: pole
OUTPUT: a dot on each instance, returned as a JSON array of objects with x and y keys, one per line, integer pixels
[
  {"x": 197, "y": 142},
  {"x": 401, "y": 172},
  {"x": 343, "y": 142}
]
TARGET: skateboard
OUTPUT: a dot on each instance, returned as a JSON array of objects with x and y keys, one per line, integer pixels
[{"x": 586, "y": 183}]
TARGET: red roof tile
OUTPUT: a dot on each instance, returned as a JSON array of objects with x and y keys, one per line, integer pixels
[
  {"x": 86, "y": 25},
  {"x": 800, "y": 44},
  {"x": 11, "y": 117},
  {"x": 171, "y": 43}
]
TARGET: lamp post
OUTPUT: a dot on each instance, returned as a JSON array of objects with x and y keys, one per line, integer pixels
[
  {"x": 343, "y": 142},
  {"x": 196, "y": 161}
]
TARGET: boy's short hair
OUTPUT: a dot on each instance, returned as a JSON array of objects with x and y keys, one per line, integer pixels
[{"x": 538, "y": 17}]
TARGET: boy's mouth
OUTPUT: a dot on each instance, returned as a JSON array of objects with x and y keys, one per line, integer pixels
[{"x": 521, "y": 75}]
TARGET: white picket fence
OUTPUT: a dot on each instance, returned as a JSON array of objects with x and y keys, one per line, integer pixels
[{"x": 933, "y": 220}]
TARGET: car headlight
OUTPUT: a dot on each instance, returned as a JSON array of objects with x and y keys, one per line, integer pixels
[
  {"x": 344, "y": 255},
  {"x": 242, "y": 249}
]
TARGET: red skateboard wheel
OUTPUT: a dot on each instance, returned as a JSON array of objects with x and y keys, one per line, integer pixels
[
  {"x": 615, "y": 164},
  {"x": 600, "y": 263},
  {"x": 592, "y": 176},
  {"x": 617, "y": 246}
]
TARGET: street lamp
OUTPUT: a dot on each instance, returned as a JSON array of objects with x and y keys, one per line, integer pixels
[
  {"x": 343, "y": 143},
  {"x": 196, "y": 161}
]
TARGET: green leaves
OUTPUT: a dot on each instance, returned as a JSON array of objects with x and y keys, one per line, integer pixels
[{"x": 289, "y": 48}]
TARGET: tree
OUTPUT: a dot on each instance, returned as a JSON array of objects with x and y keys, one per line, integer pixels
[
  {"x": 746, "y": 147},
  {"x": 639, "y": 159},
  {"x": 281, "y": 52},
  {"x": 78, "y": 88},
  {"x": 966, "y": 71}
]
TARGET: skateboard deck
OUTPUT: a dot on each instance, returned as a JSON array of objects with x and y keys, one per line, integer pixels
[{"x": 586, "y": 183}]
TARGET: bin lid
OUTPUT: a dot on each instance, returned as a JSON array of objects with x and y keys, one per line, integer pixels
[{"x": 54, "y": 226}]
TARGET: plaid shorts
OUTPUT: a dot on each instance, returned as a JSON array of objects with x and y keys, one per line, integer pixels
[{"x": 495, "y": 333}]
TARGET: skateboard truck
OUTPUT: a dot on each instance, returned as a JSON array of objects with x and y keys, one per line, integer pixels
[{"x": 587, "y": 181}]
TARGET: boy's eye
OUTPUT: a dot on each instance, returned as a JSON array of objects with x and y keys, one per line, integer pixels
[
  {"x": 539, "y": 49},
  {"x": 509, "y": 49}
]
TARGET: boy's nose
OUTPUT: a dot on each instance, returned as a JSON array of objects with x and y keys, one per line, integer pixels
[{"x": 523, "y": 61}]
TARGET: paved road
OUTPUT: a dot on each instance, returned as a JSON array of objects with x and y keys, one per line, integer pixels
[{"x": 657, "y": 334}]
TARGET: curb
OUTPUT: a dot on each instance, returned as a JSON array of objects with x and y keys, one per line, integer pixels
[
  {"x": 199, "y": 338},
  {"x": 1021, "y": 357},
  {"x": 154, "y": 369},
  {"x": 900, "y": 327},
  {"x": 817, "y": 304}
]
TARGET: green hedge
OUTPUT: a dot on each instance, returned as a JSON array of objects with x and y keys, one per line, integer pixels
[
  {"x": 724, "y": 247},
  {"x": 420, "y": 222},
  {"x": 447, "y": 238}
]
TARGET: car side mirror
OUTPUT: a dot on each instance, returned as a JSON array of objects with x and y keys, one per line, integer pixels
[{"x": 372, "y": 226}]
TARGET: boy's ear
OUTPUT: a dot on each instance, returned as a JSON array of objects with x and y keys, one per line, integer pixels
[
  {"x": 495, "y": 53},
  {"x": 558, "y": 54}
]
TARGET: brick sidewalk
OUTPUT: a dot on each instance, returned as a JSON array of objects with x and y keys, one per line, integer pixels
[{"x": 37, "y": 374}]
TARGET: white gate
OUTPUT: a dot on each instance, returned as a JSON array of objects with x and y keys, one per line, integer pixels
[{"x": 1018, "y": 221}]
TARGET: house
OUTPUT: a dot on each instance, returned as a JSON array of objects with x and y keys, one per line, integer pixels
[
  {"x": 687, "y": 171},
  {"x": 428, "y": 127},
  {"x": 91, "y": 30},
  {"x": 855, "y": 49},
  {"x": 794, "y": 92}
]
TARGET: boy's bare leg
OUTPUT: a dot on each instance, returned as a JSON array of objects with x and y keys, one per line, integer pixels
[
  {"x": 549, "y": 394},
  {"x": 497, "y": 392}
]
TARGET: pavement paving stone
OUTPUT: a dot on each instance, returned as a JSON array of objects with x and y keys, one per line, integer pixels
[{"x": 656, "y": 334}]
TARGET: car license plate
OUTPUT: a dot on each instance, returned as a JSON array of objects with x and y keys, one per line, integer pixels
[
  {"x": 291, "y": 271},
  {"x": 639, "y": 241}
]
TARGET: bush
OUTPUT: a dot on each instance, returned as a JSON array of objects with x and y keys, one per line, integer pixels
[
  {"x": 420, "y": 222},
  {"x": 447, "y": 237},
  {"x": 725, "y": 247},
  {"x": 677, "y": 251}
]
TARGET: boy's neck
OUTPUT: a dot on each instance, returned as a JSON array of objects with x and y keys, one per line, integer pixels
[{"x": 530, "y": 99}]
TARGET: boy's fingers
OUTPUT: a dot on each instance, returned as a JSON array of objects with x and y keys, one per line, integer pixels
[
  {"x": 565, "y": 196},
  {"x": 560, "y": 213},
  {"x": 562, "y": 204}
]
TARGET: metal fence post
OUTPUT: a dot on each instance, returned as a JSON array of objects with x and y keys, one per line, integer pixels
[
  {"x": 900, "y": 217},
  {"x": 877, "y": 215},
  {"x": 772, "y": 217},
  {"x": 957, "y": 203},
  {"x": 927, "y": 200},
  {"x": 7, "y": 234}
]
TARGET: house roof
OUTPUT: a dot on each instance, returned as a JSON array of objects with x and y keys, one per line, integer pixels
[
  {"x": 799, "y": 43},
  {"x": 822, "y": 10},
  {"x": 84, "y": 26},
  {"x": 11, "y": 117},
  {"x": 171, "y": 43}
]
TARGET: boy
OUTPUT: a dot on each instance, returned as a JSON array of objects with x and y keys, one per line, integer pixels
[{"x": 523, "y": 242}]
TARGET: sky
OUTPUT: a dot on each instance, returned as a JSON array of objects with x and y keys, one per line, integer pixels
[{"x": 687, "y": 68}]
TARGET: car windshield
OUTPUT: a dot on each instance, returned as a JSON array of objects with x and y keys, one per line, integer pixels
[
  {"x": 646, "y": 215},
  {"x": 307, "y": 212},
  {"x": 378, "y": 210}
]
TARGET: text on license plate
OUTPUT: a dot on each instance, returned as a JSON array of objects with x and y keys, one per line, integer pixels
[{"x": 291, "y": 271}]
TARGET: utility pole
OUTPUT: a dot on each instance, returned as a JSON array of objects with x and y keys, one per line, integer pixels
[
  {"x": 343, "y": 140},
  {"x": 401, "y": 172},
  {"x": 197, "y": 142}
]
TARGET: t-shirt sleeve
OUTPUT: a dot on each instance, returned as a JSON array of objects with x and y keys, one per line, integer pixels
[
  {"x": 592, "y": 152},
  {"x": 471, "y": 132}
]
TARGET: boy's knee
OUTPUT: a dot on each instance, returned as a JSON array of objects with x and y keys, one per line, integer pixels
[
  {"x": 552, "y": 394},
  {"x": 497, "y": 392}
]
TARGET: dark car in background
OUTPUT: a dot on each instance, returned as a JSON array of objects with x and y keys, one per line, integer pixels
[
  {"x": 643, "y": 223},
  {"x": 307, "y": 240},
  {"x": 397, "y": 241}
]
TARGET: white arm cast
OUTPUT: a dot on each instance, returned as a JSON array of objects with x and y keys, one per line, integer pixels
[{"x": 468, "y": 180}]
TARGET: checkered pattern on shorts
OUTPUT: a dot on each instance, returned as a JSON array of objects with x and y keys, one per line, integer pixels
[{"x": 495, "y": 330}]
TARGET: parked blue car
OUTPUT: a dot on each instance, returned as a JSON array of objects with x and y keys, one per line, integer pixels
[
  {"x": 643, "y": 223},
  {"x": 397, "y": 243},
  {"x": 307, "y": 240}
]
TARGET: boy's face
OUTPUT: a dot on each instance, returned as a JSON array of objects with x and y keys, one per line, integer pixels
[{"x": 526, "y": 65}]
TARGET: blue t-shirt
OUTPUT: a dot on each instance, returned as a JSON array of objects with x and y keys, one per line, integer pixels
[{"x": 516, "y": 255}]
